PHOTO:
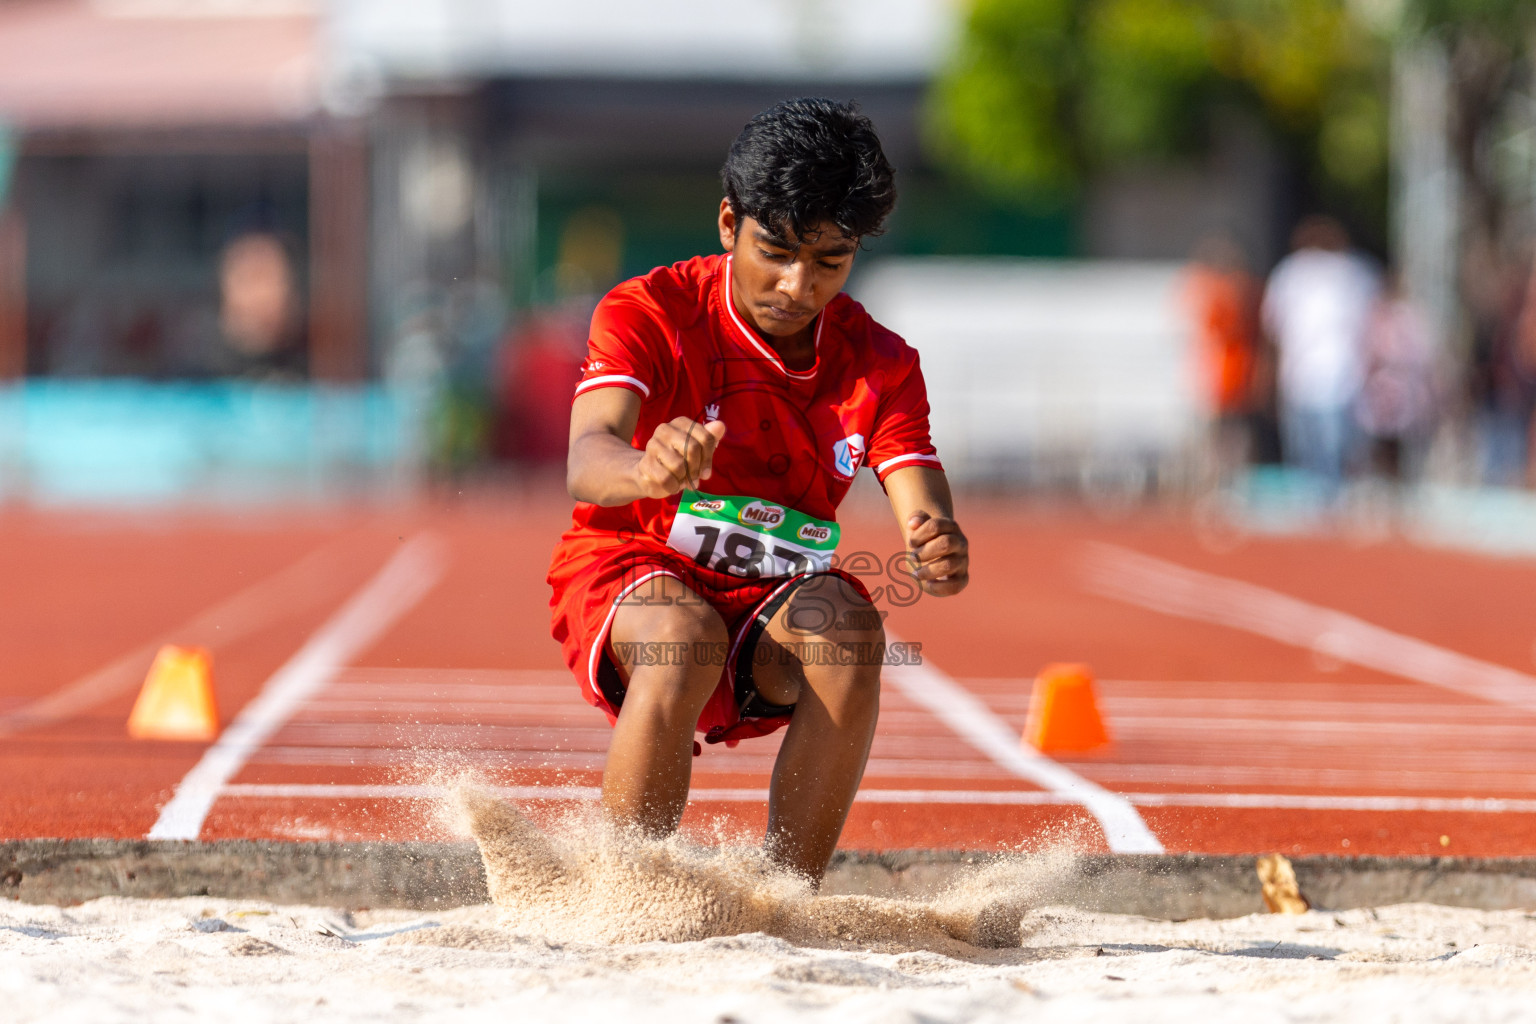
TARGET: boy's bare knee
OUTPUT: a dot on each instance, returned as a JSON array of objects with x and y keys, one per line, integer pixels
[
  {"x": 836, "y": 638},
  {"x": 850, "y": 682},
  {"x": 671, "y": 651},
  {"x": 834, "y": 611},
  {"x": 689, "y": 624},
  {"x": 669, "y": 613}
]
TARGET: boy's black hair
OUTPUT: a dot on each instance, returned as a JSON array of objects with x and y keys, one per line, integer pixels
[{"x": 809, "y": 161}]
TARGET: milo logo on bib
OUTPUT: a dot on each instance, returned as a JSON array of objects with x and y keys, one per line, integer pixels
[
  {"x": 749, "y": 537},
  {"x": 761, "y": 514}
]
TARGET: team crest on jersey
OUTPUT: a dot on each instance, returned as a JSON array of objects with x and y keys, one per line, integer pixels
[
  {"x": 711, "y": 412},
  {"x": 847, "y": 454}
]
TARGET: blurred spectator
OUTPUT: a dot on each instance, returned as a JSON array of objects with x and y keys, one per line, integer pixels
[
  {"x": 537, "y": 371},
  {"x": 252, "y": 327},
  {"x": 1400, "y": 395},
  {"x": 470, "y": 318},
  {"x": 540, "y": 361},
  {"x": 259, "y": 307},
  {"x": 1316, "y": 306},
  {"x": 1222, "y": 299},
  {"x": 1502, "y": 306},
  {"x": 1525, "y": 366},
  {"x": 256, "y": 286}
]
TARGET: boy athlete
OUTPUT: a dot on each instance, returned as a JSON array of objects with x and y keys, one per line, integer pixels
[{"x": 725, "y": 405}]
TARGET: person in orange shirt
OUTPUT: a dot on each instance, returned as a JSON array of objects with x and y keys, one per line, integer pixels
[{"x": 1222, "y": 300}]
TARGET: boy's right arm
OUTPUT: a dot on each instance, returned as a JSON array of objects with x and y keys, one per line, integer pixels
[{"x": 602, "y": 466}]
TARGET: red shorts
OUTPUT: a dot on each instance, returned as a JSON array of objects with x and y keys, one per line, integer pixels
[{"x": 591, "y": 574}]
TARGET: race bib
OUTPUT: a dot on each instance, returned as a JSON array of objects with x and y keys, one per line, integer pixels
[{"x": 749, "y": 537}]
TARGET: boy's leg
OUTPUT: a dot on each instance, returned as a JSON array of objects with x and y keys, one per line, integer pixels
[
  {"x": 822, "y": 758},
  {"x": 664, "y": 640}
]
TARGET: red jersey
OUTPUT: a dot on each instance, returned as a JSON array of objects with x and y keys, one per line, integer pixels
[
  {"x": 794, "y": 440},
  {"x": 793, "y": 437}
]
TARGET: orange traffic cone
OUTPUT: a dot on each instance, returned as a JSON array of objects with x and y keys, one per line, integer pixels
[
  {"x": 1063, "y": 713},
  {"x": 176, "y": 702}
]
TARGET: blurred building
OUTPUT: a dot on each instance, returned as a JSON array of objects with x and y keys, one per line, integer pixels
[
  {"x": 555, "y": 149},
  {"x": 324, "y": 223},
  {"x": 1035, "y": 379},
  {"x": 526, "y": 157},
  {"x": 182, "y": 207},
  {"x": 150, "y": 137}
]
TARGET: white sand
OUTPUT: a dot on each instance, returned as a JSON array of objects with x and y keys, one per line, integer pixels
[
  {"x": 223, "y": 961},
  {"x": 594, "y": 925}
]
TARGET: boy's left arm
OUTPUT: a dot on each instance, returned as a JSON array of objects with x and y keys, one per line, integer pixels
[{"x": 925, "y": 512}]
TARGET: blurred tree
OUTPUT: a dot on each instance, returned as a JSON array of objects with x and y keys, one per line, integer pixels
[
  {"x": 1483, "y": 52},
  {"x": 1489, "y": 45},
  {"x": 1043, "y": 93}
]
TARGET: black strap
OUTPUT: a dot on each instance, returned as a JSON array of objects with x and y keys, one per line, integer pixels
[{"x": 749, "y": 702}]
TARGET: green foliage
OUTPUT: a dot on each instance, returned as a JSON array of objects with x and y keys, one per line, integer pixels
[
  {"x": 1043, "y": 93},
  {"x": 1003, "y": 105},
  {"x": 1145, "y": 62}
]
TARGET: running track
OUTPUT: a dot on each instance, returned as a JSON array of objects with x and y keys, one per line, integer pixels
[{"x": 1301, "y": 695}]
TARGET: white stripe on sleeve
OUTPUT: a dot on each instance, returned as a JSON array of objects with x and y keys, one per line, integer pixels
[
  {"x": 614, "y": 378},
  {"x": 898, "y": 460}
]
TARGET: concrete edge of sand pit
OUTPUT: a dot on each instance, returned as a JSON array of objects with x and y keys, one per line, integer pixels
[{"x": 421, "y": 875}]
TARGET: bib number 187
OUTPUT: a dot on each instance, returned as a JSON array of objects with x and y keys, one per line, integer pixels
[
  {"x": 744, "y": 553},
  {"x": 749, "y": 537}
]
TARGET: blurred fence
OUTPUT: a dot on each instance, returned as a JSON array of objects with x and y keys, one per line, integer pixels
[
  {"x": 1047, "y": 373},
  {"x": 135, "y": 442}
]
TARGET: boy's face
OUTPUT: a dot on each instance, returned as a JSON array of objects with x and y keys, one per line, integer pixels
[{"x": 780, "y": 284}]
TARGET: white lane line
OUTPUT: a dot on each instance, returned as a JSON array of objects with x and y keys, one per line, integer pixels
[
  {"x": 1287, "y": 801},
  {"x": 1344, "y": 733},
  {"x": 1153, "y": 715},
  {"x": 405, "y": 579},
  {"x": 289, "y": 591},
  {"x": 1406, "y": 697},
  {"x": 985, "y": 730},
  {"x": 416, "y": 691},
  {"x": 984, "y": 797},
  {"x": 1393, "y": 778},
  {"x": 1283, "y": 711},
  {"x": 1172, "y": 589},
  {"x": 440, "y": 733},
  {"x": 1006, "y": 682},
  {"x": 503, "y": 757},
  {"x": 450, "y": 677},
  {"x": 448, "y": 707},
  {"x": 1284, "y": 758},
  {"x": 452, "y": 758}
]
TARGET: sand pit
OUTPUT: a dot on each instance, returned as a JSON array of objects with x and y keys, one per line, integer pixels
[
  {"x": 592, "y": 926},
  {"x": 201, "y": 960},
  {"x": 584, "y": 881}
]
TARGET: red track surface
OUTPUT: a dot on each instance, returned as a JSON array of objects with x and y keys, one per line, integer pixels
[{"x": 1222, "y": 736}]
